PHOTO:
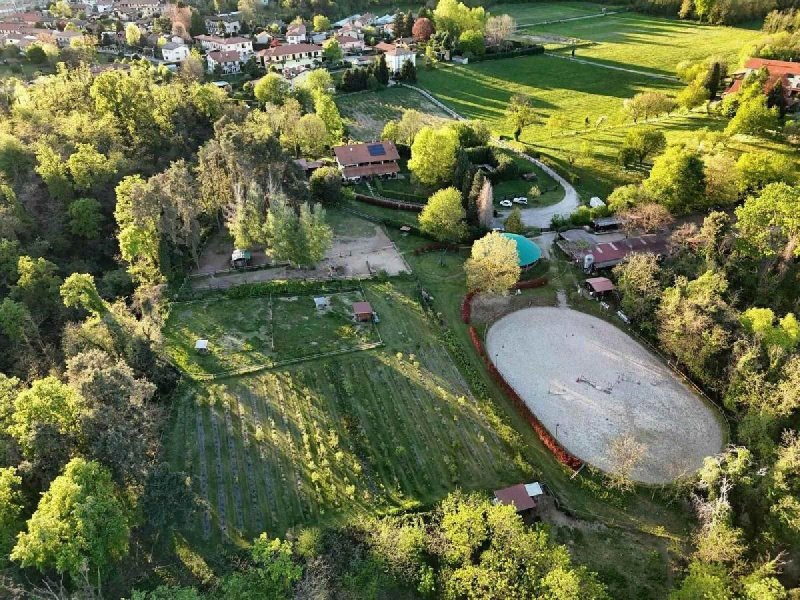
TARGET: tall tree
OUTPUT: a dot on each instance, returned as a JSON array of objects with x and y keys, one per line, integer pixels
[
  {"x": 433, "y": 155},
  {"x": 443, "y": 216},
  {"x": 677, "y": 180},
  {"x": 493, "y": 265}
]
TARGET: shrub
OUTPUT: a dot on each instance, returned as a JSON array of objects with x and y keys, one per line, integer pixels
[
  {"x": 534, "y": 192},
  {"x": 507, "y": 168},
  {"x": 481, "y": 155}
]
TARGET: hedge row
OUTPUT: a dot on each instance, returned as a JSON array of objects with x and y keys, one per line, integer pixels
[
  {"x": 548, "y": 440},
  {"x": 498, "y": 55},
  {"x": 466, "y": 307},
  {"x": 434, "y": 247},
  {"x": 530, "y": 284},
  {"x": 386, "y": 203}
]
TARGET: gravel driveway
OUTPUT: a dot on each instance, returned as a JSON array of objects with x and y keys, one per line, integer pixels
[{"x": 588, "y": 382}]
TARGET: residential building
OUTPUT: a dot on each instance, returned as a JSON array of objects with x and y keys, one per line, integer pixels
[
  {"x": 356, "y": 161},
  {"x": 242, "y": 45},
  {"x": 263, "y": 38},
  {"x": 396, "y": 56},
  {"x": 297, "y": 34},
  {"x": 146, "y": 8},
  {"x": 317, "y": 37},
  {"x": 783, "y": 73},
  {"x": 290, "y": 55},
  {"x": 352, "y": 31},
  {"x": 229, "y": 61},
  {"x": 222, "y": 25},
  {"x": 349, "y": 43},
  {"x": 174, "y": 52}
]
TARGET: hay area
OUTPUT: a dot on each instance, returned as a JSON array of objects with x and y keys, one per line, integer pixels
[{"x": 589, "y": 383}]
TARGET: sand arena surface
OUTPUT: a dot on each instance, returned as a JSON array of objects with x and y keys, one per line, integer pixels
[{"x": 589, "y": 383}]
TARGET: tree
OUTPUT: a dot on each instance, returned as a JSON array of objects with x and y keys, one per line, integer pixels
[
  {"x": 78, "y": 290},
  {"x": 710, "y": 582},
  {"x": 756, "y": 170},
  {"x": 513, "y": 223},
  {"x": 693, "y": 321},
  {"x": 422, "y": 29},
  {"x": 768, "y": 222},
  {"x": 271, "y": 89},
  {"x": 644, "y": 142},
  {"x": 648, "y": 104},
  {"x": 312, "y": 135},
  {"x": 11, "y": 504},
  {"x": 433, "y": 155},
  {"x": 246, "y": 220},
  {"x": 317, "y": 234},
  {"x": 318, "y": 81},
  {"x": 625, "y": 454},
  {"x": 754, "y": 117},
  {"x": 53, "y": 171},
  {"x": 406, "y": 129},
  {"x": 626, "y": 196},
  {"x": 133, "y": 35},
  {"x": 693, "y": 95},
  {"x": 89, "y": 168},
  {"x": 80, "y": 525},
  {"x": 499, "y": 29},
  {"x": 299, "y": 239},
  {"x": 381, "y": 70},
  {"x": 471, "y": 42},
  {"x": 493, "y": 265},
  {"x": 36, "y": 54},
  {"x": 325, "y": 185},
  {"x": 85, "y": 218},
  {"x": 677, "y": 180},
  {"x": 638, "y": 284},
  {"x": 454, "y": 17},
  {"x": 321, "y": 23},
  {"x": 192, "y": 67},
  {"x": 520, "y": 113},
  {"x": 37, "y": 287},
  {"x": 408, "y": 72},
  {"x": 273, "y": 576},
  {"x": 167, "y": 499},
  {"x": 326, "y": 109},
  {"x": 721, "y": 180},
  {"x": 443, "y": 216},
  {"x": 332, "y": 51}
]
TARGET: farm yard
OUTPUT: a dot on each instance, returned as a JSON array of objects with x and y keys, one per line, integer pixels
[
  {"x": 246, "y": 334},
  {"x": 372, "y": 431},
  {"x": 590, "y": 384},
  {"x": 366, "y": 113}
]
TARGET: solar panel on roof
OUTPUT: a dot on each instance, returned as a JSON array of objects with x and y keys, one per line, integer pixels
[{"x": 376, "y": 150}]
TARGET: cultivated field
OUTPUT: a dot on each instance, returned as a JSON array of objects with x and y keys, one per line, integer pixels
[
  {"x": 327, "y": 438},
  {"x": 248, "y": 333},
  {"x": 589, "y": 383},
  {"x": 366, "y": 113}
]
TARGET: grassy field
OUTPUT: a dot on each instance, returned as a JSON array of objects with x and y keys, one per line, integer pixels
[
  {"x": 526, "y": 13},
  {"x": 637, "y": 41},
  {"x": 328, "y": 438},
  {"x": 248, "y": 333},
  {"x": 366, "y": 113}
]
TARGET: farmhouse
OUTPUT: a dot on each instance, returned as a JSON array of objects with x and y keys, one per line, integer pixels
[
  {"x": 607, "y": 254},
  {"x": 367, "y": 160},
  {"x": 396, "y": 56},
  {"x": 242, "y": 46},
  {"x": 781, "y": 73},
  {"x": 290, "y": 55}
]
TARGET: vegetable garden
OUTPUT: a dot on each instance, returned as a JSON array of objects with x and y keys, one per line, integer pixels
[{"x": 394, "y": 427}]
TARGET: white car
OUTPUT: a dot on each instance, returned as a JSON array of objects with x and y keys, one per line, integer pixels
[
  {"x": 520, "y": 200},
  {"x": 506, "y": 203}
]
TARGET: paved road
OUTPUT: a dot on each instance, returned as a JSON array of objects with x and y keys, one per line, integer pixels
[{"x": 532, "y": 217}]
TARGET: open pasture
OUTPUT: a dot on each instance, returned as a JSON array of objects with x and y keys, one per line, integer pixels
[
  {"x": 637, "y": 41},
  {"x": 366, "y": 113},
  {"x": 590, "y": 384},
  {"x": 527, "y": 13},
  {"x": 328, "y": 438},
  {"x": 245, "y": 334}
]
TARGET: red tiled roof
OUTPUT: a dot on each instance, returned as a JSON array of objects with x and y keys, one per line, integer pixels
[
  {"x": 223, "y": 56},
  {"x": 613, "y": 252},
  {"x": 385, "y": 47},
  {"x": 516, "y": 496},
  {"x": 600, "y": 284},
  {"x": 358, "y": 154},
  {"x": 362, "y": 308},
  {"x": 370, "y": 170},
  {"x": 346, "y": 39},
  {"x": 287, "y": 49},
  {"x": 779, "y": 70}
]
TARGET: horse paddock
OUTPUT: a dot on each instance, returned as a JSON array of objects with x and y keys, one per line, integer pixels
[{"x": 590, "y": 384}]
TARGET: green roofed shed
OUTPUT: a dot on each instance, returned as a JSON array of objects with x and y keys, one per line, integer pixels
[{"x": 528, "y": 252}]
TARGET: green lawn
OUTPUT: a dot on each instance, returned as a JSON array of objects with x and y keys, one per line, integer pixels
[
  {"x": 366, "y": 113},
  {"x": 331, "y": 438},
  {"x": 537, "y": 12},
  {"x": 248, "y": 333},
  {"x": 637, "y": 41}
]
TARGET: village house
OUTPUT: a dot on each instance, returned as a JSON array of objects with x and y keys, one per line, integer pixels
[
  {"x": 356, "y": 161},
  {"x": 290, "y": 55},
  {"x": 174, "y": 52},
  {"x": 223, "y": 25},
  {"x": 229, "y": 61},
  {"x": 62, "y": 39},
  {"x": 396, "y": 56},
  {"x": 243, "y": 46},
  {"x": 783, "y": 73},
  {"x": 349, "y": 43},
  {"x": 145, "y": 8},
  {"x": 297, "y": 34}
]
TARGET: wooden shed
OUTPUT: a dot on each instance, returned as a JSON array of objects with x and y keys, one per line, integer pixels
[{"x": 362, "y": 311}]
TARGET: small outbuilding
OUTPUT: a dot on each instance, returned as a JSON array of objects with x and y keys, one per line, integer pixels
[
  {"x": 201, "y": 346},
  {"x": 522, "y": 496},
  {"x": 322, "y": 303},
  {"x": 598, "y": 287},
  {"x": 241, "y": 259},
  {"x": 362, "y": 312}
]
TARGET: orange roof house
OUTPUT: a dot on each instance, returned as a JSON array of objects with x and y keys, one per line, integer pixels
[
  {"x": 367, "y": 160},
  {"x": 781, "y": 72}
]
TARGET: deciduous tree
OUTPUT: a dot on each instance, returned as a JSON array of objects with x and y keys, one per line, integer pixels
[
  {"x": 493, "y": 265},
  {"x": 433, "y": 155},
  {"x": 443, "y": 216}
]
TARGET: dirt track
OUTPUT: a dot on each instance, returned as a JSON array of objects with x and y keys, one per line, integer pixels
[{"x": 588, "y": 382}]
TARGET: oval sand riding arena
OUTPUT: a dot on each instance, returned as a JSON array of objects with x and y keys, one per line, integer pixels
[{"x": 591, "y": 384}]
